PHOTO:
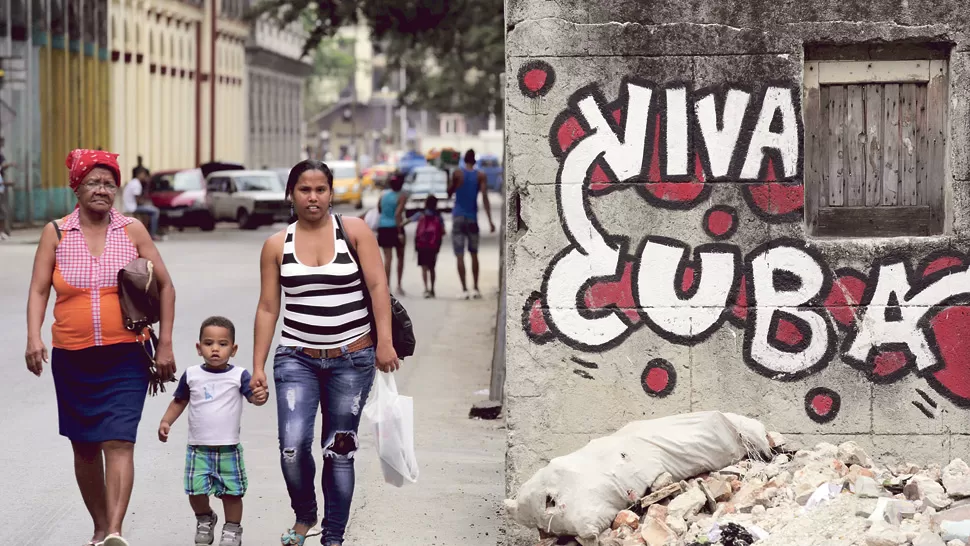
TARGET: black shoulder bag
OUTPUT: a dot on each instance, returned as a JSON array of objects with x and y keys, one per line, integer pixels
[{"x": 402, "y": 331}]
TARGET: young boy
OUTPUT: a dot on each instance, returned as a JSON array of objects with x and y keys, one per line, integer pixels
[
  {"x": 213, "y": 392},
  {"x": 427, "y": 241}
]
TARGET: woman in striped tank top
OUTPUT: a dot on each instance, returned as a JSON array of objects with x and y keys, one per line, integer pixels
[{"x": 329, "y": 347}]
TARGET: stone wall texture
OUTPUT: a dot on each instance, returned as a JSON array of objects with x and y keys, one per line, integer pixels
[{"x": 658, "y": 260}]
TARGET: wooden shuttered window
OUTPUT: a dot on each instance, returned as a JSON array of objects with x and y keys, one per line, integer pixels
[{"x": 875, "y": 147}]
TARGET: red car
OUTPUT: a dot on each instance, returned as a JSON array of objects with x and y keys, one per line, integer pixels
[{"x": 180, "y": 197}]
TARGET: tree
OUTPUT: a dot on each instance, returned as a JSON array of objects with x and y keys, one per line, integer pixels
[
  {"x": 452, "y": 51},
  {"x": 332, "y": 62}
]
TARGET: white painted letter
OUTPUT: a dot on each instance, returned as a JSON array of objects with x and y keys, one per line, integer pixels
[
  {"x": 786, "y": 142},
  {"x": 676, "y": 132},
  {"x": 769, "y": 300},
  {"x": 875, "y": 330},
  {"x": 720, "y": 145},
  {"x": 657, "y": 281},
  {"x": 593, "y": 257}
]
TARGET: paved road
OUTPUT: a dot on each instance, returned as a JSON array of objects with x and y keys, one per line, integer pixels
[{"x": 461, "y": 484}]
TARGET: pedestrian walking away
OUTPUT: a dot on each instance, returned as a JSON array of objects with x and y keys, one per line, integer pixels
[
  {"x": 136, "y": 201},
  {"x": 427, "y": 241},
  {"x": 390, "y": 227},
  {"x": 5, "y": 185},
  {"x": 332, "y": 343},
  {"x": 465, "y": 185},
  {"x": 213, "y": 392},
  {"x": 100, "y": 369}
]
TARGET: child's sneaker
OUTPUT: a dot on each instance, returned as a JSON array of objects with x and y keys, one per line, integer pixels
[
  {"x": 231, "y": 535},
  {"x": 205, "y": 529}
]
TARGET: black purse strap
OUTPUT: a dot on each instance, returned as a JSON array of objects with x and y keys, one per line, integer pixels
[{"x": 360, "y": 274}]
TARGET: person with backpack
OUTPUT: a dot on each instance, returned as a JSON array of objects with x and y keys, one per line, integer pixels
[{"x": 427, "y": 241}]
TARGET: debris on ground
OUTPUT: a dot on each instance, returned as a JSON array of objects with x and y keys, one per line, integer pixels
[{"x": 826, "y": 496}]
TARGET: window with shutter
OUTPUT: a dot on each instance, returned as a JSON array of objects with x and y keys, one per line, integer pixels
[{"x": 875, "y": 146}]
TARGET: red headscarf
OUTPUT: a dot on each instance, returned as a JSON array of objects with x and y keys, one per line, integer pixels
[{"x": 80, "y": 162}]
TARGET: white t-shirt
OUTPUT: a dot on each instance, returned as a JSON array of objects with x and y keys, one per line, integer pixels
[
  {"x": 130, "y": 195},
  {"x": 215, "y": 403}
]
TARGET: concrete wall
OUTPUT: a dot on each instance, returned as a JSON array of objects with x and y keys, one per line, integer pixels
[{"x": 645, "y": 285}]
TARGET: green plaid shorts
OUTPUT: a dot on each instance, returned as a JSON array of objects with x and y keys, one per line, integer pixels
[{"x": 215, "y": 470}]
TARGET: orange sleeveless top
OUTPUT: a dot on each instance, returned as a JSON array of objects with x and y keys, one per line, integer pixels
[{"x": 87, "y": 312}]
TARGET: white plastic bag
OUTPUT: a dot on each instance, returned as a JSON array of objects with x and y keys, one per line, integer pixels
[
  {"x": 392, "y": 416},
  {"x": 372, "y": 218}
]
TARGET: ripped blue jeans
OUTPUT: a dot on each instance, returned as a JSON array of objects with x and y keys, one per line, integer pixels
[{"x": 339, "y": 386}]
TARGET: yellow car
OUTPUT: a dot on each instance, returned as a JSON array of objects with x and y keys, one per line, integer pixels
[{"x": 347, "y": 187}]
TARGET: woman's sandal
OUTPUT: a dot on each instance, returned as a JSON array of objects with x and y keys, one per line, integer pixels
[
  {"x": 93, "y": 543},
  {"x": 115, "y": 540},
  {"x": 292, "y": 538}
]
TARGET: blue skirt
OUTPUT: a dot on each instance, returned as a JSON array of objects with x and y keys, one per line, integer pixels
[{"x": 100, "y": 391}]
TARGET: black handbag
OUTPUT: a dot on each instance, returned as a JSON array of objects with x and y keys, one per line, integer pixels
[{"x": 402, "y": 330}]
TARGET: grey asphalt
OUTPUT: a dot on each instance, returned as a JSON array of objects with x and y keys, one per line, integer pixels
[{"x": 458, "y": 494}]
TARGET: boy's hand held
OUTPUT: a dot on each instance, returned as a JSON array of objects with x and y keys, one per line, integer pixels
[{"x": 163, "y": 430}]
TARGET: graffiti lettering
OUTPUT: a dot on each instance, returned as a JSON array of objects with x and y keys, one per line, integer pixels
[
  {"x": 678, "y": 315},
  {"x": 783, "y": 336},
  {"x": 672, "y": 143}
]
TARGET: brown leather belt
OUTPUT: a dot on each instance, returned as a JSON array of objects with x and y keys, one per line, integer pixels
[{"x": 361, "y": 343}]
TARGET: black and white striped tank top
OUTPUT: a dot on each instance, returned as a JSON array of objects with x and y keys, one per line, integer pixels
[{"x": 324, "y": 306}]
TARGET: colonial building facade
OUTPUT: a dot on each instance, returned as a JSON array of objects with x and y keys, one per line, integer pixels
[
  {"x": 178, "y": 82},
  {"x": 276, "y": 73}
]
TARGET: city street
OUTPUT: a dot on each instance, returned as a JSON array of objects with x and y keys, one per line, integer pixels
[{"x": 461, "y": 485}]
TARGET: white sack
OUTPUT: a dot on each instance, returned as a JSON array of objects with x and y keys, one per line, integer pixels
[{"x": 579, "y": 494}]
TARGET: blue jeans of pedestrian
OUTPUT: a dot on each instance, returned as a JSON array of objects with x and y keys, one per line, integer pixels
[
  {"x": 153, "y": 212},
  {"x": 339, "y": 386}
]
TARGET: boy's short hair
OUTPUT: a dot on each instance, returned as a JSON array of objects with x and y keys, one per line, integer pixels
[{"x": 222, "y": 322}]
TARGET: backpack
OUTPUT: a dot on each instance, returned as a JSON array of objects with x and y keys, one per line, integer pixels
[{"x": 430, "y": 232}]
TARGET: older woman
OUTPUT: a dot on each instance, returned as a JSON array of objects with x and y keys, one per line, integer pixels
[{"x": 100, "y": 369}]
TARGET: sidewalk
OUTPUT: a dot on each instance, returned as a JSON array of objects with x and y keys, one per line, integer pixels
[
  {"x": 459, "y": 493},
  {"x": 24, "y": 235}
]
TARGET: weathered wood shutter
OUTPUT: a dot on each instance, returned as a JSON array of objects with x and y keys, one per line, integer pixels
[{"x": 875, "y": 143}]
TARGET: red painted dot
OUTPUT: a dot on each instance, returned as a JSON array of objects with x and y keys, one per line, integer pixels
[
  {"x": 720, "y": 222},
  {"x": 534, "y": 79},
  {"x": 822, "y": 404},
  {"x": 657, "y": 379}
]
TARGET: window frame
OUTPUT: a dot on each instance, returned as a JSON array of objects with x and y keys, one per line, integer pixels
[{"x": 928, "y": 219}]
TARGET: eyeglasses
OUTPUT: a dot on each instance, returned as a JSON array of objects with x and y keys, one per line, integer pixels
[{"x": 109, "y": 187}]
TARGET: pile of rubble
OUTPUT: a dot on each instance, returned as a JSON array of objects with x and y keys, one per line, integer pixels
[{"x": 830, "y": 495}]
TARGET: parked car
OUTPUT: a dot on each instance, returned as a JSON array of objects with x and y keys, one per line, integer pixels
[
  {"x": 423, "y": 181},
  {"x": 492, "y": 167},
  {"x": 251, "y": 198},
  {"x": 284, "y": 174},
  {"x": 180, "y": 198},
  {"x": 347, "y": 187},
  {"x": 376, "y": 176}
]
